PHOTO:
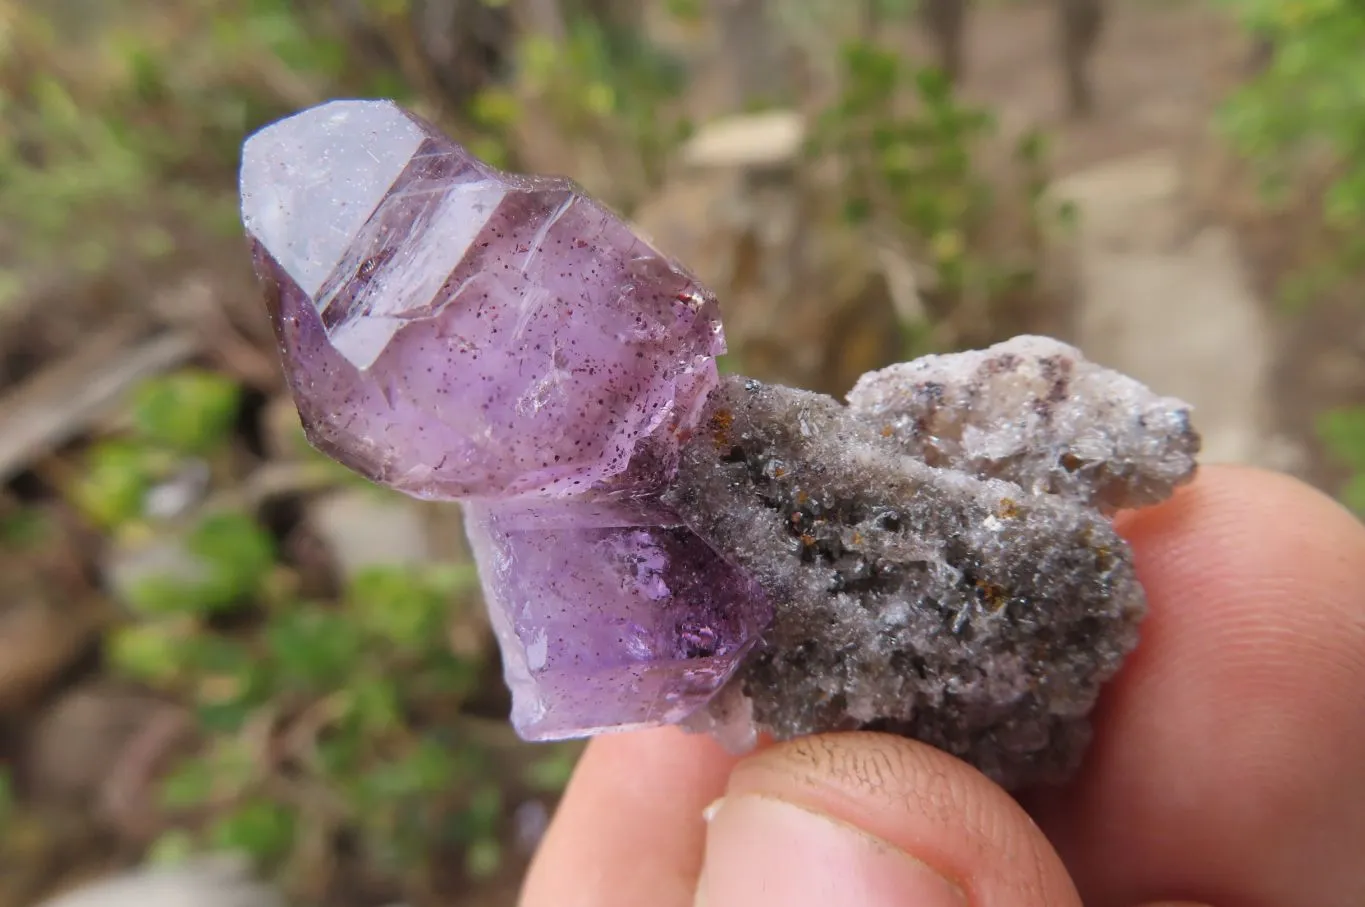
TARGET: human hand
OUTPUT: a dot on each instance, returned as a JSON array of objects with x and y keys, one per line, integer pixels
[{"x": 1228, "y": 765}]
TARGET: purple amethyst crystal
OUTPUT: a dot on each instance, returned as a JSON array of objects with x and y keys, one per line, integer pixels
[
  {"x": 657, "y": 545},
  {"x": 610, "y": 615},
  {"x": 453, "y": 331}
]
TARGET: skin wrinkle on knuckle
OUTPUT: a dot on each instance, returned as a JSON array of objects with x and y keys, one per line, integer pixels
[
  {"x": 887, "y": 770},
  {"x": 875, "y": 770},
  {"x": 803, "y": 758},
  {"x": 940, "y": 797}
]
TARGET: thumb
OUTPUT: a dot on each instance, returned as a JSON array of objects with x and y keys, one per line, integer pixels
[{"x": 875, "y": 821}]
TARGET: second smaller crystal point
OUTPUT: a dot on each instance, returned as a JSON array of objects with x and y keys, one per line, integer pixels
[
  {"x": 611, "y": 614},
  {"x": 658, "y": 545}
]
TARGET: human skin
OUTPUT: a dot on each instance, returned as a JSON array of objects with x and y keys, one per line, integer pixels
[{"x": 1228, "y": 766}]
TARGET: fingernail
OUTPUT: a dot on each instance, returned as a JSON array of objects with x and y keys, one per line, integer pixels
[{"x": 761, "y": 851}]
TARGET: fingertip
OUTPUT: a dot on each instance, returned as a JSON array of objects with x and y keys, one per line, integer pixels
[
  {"x": 1231, "y": 502},
  {"x": 938, "y": 825},
  {"x": 630, "y": 827},
  {"x": 761, "y": 850},
  {"x": 1238, "y": 725}
]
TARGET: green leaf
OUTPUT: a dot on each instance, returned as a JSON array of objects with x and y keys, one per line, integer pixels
[
  {"x": 239, "y": 554},
  {"x": 857, "y": 210},
  {"x": 1343, "y": 433},
  {"x": 408, "y": 607},
  {"x": 374, "y": 705},
  {"x": 314, "y": 648},
  {"x": 115, "y": 480},
  {"x": 427, "y": 768},
  {"x": 481, "y": 815},
  {"x": 261, "y": 829},
  {"x": 188, "y": 785},
  {"x": 230, "y": 680},
  {"x": 1032, "y": 147},
  {"x": 1353, "y": 495},
  {"x": 933, "y": 85},
  {"x": 151, "y": 653},
  {"x": 25, "y": 528},
  {"x": 192, "y": 412},
  {"x": 550, "y": 774},
  {"x": 496, "y": 108},
  {"x": 226, "y": 559}
]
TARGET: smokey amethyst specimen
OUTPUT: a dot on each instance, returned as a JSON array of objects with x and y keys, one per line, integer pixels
[{"x": 658, "y": 545}]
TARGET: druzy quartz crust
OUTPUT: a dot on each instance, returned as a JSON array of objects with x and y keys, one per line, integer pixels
[{"x": 658, "y": 545}]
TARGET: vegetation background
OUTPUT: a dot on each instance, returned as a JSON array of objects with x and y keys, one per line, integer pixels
[{"x": 213, "y": 640}]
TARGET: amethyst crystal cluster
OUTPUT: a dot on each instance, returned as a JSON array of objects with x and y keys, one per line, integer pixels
[
  {"x": 459, "y": 333},
  {"x": 660, "y": 545}
]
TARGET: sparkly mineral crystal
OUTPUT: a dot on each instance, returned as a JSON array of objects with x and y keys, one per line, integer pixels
[
  {"x": 1033, "y": 411},
  {"x": 658, "y": 545}
]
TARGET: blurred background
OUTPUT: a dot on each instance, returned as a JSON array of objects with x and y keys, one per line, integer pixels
[{"x": 214, "y": 642}]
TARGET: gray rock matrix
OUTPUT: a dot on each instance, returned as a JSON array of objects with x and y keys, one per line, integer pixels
[{"x": 939, "y": 550}]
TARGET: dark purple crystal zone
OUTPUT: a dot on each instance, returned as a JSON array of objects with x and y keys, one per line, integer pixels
[
  {"x": 453, "y": 331},
  {"x": 609, "y": 616}
]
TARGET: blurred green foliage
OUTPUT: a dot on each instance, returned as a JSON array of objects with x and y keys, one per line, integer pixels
[
  {"x": 139, "y": 111},
  {"x": 192, "y": 412},
  {"x": 22, "y": 528},
  {"x": 335, "y": 716},
  {"x": 321, "y": 718},
  {"x": 338, "y": 714},
  {"x": 610, "y": 89},
  {"x": 1301, "y": 122},
  {"x": 187, "y": 415},
  {"x": 228, "y": 557},
  {"x": 1343, "y": 433},
  {"x": 6, "y": 800},
  {"x": 911, "y": 149},
  {"x": 122, "y": 122},
  {"x": 606, "y": 92}
]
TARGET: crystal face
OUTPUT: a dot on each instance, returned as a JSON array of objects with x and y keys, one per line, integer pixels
[
  {"x": 658, "y": 545},
  {"x": 609, "y": 615},
  {"x": 453, "y": 331}
]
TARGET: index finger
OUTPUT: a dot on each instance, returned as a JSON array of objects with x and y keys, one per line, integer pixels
[{"x": 629, "y": 830}]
